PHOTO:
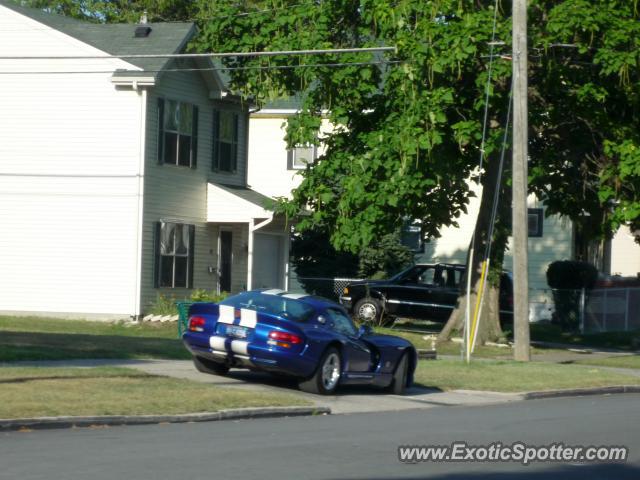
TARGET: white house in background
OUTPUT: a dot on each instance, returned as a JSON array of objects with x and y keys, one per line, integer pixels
[
  {"x": 273, "y": 171},
  {"x": 122, "y": 178}
]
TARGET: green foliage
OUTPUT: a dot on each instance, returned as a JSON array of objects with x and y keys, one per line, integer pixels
[
  {"x": 567, "y": 279},
  {"x": 568, "y": 274},
  {"x": 408, "y": 133},
  {"x": 115, "y": 11},
  {"x": 202, "y": 295},
  {"x": 164, "y": 305},
  {"x": 384, "y": 258}
]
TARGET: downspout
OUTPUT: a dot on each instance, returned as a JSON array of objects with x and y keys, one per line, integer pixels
[
  {"x": 252, "y": 228},
  {"x": 140, "y": 209}
]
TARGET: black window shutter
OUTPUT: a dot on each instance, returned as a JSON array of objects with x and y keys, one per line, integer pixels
[
  {"x": 156, "y": 261},
  {"x": 234, "y": 150},
  {"x": 160, "y": 130},
  {"x": 192, "y": 241},
  {"x": 215, "y": 150},
  {"x": 194, "y": 138}
]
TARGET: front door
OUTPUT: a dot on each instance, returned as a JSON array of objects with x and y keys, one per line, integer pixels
[{"x": 224, "y": 260}]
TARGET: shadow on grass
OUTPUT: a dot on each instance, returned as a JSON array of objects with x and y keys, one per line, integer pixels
[{"x": 24, "y": 346}]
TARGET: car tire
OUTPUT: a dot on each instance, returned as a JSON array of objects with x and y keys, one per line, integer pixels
[
  {"x": 368, "y": 310},
  {"x": 326, "y": 378},
  {"x": 399, "y": 382},
  {"x": 209, "y": 366}
]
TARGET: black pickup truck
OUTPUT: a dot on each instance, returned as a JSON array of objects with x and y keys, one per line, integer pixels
[{"x": 424, "y": 291}]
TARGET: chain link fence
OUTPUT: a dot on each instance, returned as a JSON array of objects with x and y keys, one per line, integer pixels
[{"x": 325, "y": 287}]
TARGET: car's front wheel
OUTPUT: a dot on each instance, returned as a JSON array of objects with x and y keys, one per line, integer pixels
[
  {"x": 326, "y": 378},
  {"x": 399, "y": 382},
  {"x": 368, "y": 310},
  {"x": 209, "y": 366}
]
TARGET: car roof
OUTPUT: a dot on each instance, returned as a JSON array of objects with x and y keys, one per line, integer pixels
[{"x": 314, "y": 301}]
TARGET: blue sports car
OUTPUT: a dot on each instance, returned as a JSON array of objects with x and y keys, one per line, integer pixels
[{"x": 310, "y": 338}]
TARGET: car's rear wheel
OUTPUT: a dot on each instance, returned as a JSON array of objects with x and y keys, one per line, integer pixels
[
  {"x": 399, "y": 382},
  {"x": 209, "y": 366},
  {"x": 326, "y": 378}
]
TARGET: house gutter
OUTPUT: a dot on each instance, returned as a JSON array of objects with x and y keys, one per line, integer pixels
[
  {"x": 137, "y": 307},
  {"x": 252, "y": 228}
]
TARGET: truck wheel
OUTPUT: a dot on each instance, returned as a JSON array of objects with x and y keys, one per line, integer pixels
[{"x": 368, "y": 310}]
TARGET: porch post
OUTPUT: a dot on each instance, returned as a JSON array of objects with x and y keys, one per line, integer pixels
[{"x": 250, "y": 254}]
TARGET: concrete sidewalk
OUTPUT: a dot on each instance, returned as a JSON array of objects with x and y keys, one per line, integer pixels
[{"x": 350, "y": 399}]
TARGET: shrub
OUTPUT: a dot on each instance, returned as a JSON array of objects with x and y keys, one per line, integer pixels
[
  {"x": 567, "y": 279},
  {"x": 202, "y": 295},
  {"x": 384, "y": 258},
  {"x": 164, "y": 305}
]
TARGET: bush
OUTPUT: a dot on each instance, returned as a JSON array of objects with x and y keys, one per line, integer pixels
[
  {"x": 384, "y": 258},
  {"x": 202, "y": 295},
  {"x": 164, "y": 305},
  {"x": 567, "y": 279}
]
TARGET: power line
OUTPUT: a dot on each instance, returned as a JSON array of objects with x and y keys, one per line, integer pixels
[
  {"x": 212, "y": 69},
  {"x": 323, "y": 51}
]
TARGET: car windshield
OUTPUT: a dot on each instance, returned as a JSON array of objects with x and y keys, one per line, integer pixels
[{"x": 280, "y": 305}]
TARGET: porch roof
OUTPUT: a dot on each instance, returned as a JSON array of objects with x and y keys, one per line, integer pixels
[{"x": 236, "y": 204}]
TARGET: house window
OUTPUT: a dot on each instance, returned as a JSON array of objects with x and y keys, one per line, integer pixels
[
  {"x": 174, "y": 255},
  {"x": 299, "y": 157},
  {"x": 178, "y": 133},
  {"x": 535, "y": 219},
  {"x": 225, "y": 141},
  {"x": 411, "y": 237}
]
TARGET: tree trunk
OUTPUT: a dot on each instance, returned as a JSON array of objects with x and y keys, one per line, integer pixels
[{"x": 489, "y": 326}]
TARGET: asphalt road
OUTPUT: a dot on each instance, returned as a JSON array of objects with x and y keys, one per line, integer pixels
[{"x": 361, "y": 446}]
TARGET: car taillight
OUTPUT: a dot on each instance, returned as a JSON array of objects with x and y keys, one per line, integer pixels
[
  {"x": 196, "y": 324},
  {"x": 283, "y": 339}
]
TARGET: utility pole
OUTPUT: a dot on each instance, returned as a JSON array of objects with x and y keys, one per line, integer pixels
[{"x": 520, "y": 174}]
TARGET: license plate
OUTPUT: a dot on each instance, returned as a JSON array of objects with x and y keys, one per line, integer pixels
[{"x": 235, "y": 331}]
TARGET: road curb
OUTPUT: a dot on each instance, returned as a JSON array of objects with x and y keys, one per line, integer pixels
[
  {"x": 113, "y": 420},
  {"x": 578, "y": 392}
]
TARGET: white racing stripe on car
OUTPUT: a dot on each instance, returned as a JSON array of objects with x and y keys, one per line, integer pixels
[
  {"x": 273, "y": 291},
  {"x": 217, "y": 343},
  {"x": 295, "y": 296},
  {"x": 226, "y": 314},
  {"x": 248, "y": 318},
  {"x": 239, "y": 346}
]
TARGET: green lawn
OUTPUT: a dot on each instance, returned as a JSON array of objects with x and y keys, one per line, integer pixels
[
  {"x": 35, "y": 392},
  {"x": 509, "y": 376},
  {"x": 33, "y": 338},
  {"x": 626, "y": 361},
  {"x": 453, "y": 348},
  {"x": 545, "y": 332}
]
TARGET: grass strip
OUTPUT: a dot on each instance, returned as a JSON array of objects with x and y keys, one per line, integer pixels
[
  {"x": 509, "y": 376},
  {"x": 41, "y": 391}
]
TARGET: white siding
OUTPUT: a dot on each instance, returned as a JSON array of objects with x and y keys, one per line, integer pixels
[
  {"x": 268, "y": 172},
  {"x": 180, "y": 194},
  {"x": 555, "y": 244},
  {"x": 625, "y": 253},
  {"x": 68, "y": 178}
]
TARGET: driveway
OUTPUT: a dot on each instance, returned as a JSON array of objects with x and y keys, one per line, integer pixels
[{"x": 349, "y": 400}]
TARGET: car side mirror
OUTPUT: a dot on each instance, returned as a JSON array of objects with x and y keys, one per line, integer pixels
[{"x": 364, "y": 330}]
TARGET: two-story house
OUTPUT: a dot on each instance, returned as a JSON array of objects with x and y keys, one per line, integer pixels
[{"x": 122, "y": 176}]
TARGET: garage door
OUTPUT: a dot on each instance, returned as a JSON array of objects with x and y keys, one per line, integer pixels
[{"x": 267, "y": 261}]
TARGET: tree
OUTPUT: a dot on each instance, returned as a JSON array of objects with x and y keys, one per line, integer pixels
[{"x": 408, "y": 123}]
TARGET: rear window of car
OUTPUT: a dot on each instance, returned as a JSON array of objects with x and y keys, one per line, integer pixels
[{"x": 288, "y": 308}]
